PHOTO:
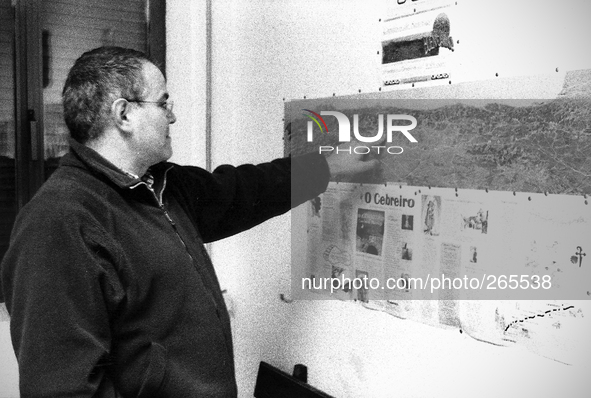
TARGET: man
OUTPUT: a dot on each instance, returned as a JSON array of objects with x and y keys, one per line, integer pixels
[{"x": 109, "y": 287}]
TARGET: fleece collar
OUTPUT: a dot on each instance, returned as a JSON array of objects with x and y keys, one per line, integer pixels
[{"x": 84, "y": 157}]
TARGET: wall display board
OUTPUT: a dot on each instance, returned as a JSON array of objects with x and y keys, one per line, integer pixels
[{"x": 482, "y": 224}]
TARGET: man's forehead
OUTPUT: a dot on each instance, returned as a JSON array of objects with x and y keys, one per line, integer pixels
[{"x": 154, "y": 81}]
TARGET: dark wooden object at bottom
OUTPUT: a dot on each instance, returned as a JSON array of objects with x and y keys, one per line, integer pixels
[{"x": 274, "y": 383}]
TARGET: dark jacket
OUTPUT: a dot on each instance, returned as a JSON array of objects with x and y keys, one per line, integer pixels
[{"x": 109, "y": 286}]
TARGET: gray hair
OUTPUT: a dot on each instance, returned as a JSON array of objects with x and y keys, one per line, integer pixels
[{"x": 98, "y": 78}]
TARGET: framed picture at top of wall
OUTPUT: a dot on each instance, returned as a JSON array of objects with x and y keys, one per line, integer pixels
[{"x": 418, "y": 42}]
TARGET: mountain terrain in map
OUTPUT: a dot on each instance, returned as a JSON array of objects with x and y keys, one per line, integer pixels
[{"x": 527, "y": 146}]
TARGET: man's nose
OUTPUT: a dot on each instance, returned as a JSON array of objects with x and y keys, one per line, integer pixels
[{"x": 171, "y": 117}]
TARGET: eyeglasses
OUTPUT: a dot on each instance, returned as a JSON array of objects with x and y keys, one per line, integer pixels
[{"x": 167, "y": 105}]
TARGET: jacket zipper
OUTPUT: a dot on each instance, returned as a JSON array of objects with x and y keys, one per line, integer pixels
[
  {"x": 173, "y": 224},
  {"x": 170, "y": 220}
]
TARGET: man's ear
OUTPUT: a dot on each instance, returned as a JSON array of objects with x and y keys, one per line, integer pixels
[{"x": 120, "y": 110}]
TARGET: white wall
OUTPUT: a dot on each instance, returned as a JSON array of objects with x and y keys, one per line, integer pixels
[
  {"x": 9, "y": 367},
  {"x": 186, "y": 76},
  {"x": 265, "y": 51}
]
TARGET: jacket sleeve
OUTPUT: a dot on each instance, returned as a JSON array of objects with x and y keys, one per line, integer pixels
[
  {"x": 59, "y": 286},
  {"x": 233, "y": 199}
]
